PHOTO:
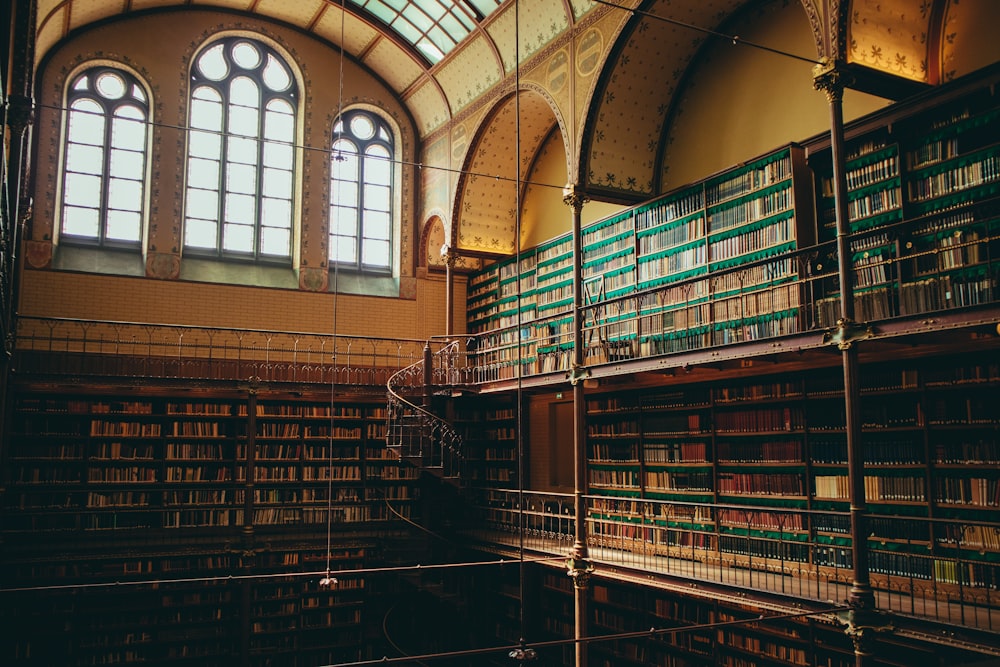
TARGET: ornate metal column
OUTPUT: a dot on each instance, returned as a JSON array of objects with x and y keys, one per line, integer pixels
[
  {"x": 578, "y": 565},
  {"x": 862, "y": 621},
  {"x": 450, "y": 257}
]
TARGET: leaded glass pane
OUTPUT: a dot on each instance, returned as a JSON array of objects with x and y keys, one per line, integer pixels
[
  {"x": 279, "y": 125},
  {"x": 377, "y": 225},
  {"x": 203, "y": 172},
  {"x": 79, "y": 221},
  {"x": 278, "y": 155},
  {"x": 277, "y": 183},
  {"x": 212, "y": 63},
  {"x": 86, "y": 123},
  {"x": 276, "y": 242},
  {"x": 84, "y": 159},
  {"x": 375, "y": 253},
  {"x": 345, "y": 221},
  {"x": 343, "y": 249},
  {"x": 83, "y": 190},
  {"x": 276, "y": 77},
  {"x": 276, "y": 213},
  {"x": 126, "y": 164},
  {"x": 205, "y": 145},
  {"x": 125, "y": 195},
  {"x": 203, "y": 204},
  {"x": 124, "y": 225},
  {"x": 128, "y": 132},
  {"x": 246, "y": 55},
  {"x": 242, "y": 151},
  {"x": 240, "y": 208},
  {"x": 377, "y": 197},
  {"x": 238, "y": 238},
  {"x": 201, "y": 233},
  {"x": 110, "y": 85}
]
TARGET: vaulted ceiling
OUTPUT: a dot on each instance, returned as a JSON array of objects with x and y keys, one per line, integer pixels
[
  {"x": 440, "y": 56},
  {"x": 450, "y": 61}
]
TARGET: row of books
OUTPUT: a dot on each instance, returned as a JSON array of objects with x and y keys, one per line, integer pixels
[
  {"x": 746, "y": 181},
  {"x": 873, "y": 172},
  {"x": 670, "y": 236},
  {"x": 761, "y": 483},
  {"x": 986, "y": 169},
  {"x": 669, "y": 209},
  {"x": 739, "y": 213},
  {"x": 103, "y": 427},
  {"x": 770, "y": 236}
]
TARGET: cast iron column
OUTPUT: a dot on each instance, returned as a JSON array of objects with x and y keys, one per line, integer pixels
[
  {"x": 862, "y": 619},
  {"x": 579, "y": 566}
]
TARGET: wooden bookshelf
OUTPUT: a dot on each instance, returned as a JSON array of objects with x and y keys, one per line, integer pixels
[
  {"x": 489, "y": 438},
  {"x": 771, "y": 453},
  {"x": 193, "y": 487}
]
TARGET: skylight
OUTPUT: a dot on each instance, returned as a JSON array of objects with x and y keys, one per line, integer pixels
[{"x": 433, "y": 27}]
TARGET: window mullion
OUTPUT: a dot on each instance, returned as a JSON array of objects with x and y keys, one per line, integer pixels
[
  {"x": 258, "y": 236},
  {"x": 224, "y": 167},
  {"x": 360, "y": 231},
  {"x": 105, "y": 195}
]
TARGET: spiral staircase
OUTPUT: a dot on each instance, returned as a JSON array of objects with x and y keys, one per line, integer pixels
[{"x": 415, "y": 433}]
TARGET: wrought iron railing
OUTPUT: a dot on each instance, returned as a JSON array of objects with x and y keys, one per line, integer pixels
[
  {"x": 929, "y": 568},
  {"x": 902, "y": 270},
  {"x": 414, "y": 432},
  {"x": 62, "y": 346}
]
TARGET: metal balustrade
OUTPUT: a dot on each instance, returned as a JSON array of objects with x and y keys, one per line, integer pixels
[
  {"x": 62, "y": 346},
  {"x": 415, "y": 433},
  {"x": 898, "y": 274},
  {"x": 927, "y": 568}
]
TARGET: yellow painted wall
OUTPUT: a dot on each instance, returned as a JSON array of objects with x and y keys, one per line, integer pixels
[
  {"x": 543, "y": 213},
  {"x": 741, "y": 101},
  {"x": 156, "y": 46}
]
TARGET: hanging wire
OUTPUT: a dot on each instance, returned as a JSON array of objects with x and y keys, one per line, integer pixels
[
  {"x": 328, "y": 581},
  {"x": 271, "y": 575},
  {"x": 329, "y": 152},
  {"x": 652, "y": 632},
  {"x": 735, "y": 39},
  {"x": 518, "y": 394}
]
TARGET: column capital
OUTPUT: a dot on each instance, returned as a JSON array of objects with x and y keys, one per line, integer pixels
[
  {"x": 578, "y": 566},
  {"x": 22, "y": 113},
  {"x": 573, "y": 195},
  {"x": 832, "y": 77}
]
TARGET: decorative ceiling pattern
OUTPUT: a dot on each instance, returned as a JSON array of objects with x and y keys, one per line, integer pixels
[
  {"x": 624, "y": 133},
  {"x": 395, "y": 54},
  {"x": 472, "y": 72},
  {"x": 488, "y": 203},
  {"x": 540, "y": 24},
  {"x": 891, "y": 37},
  {"x": 627, "y": 67}
]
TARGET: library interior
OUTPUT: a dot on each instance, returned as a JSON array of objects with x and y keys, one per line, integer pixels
[{"x": 590, "y": 333}]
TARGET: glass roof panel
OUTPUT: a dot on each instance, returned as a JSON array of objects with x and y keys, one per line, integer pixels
[{"x": 432, "y": 27}]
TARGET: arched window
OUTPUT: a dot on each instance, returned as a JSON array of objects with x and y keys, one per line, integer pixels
[
  {"x": 361, "y": 192},
  {"x": 104, "y": 167},
  {"x": 241, "y": 157}
]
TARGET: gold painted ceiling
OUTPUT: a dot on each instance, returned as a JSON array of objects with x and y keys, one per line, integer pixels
[{"x": 629, "y": 67}]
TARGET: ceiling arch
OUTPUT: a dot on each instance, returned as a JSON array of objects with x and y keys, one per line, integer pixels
[
  {"x": 639, "y": 61},
  {"x": 439, "y": 56},
  {"x": 499, "y": 158},
  {"x": 632, "y": 102}
]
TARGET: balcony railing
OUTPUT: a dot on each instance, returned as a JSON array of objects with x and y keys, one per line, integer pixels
[
  {"x": 60, "y": 346},
  {"x": 926, "y": 568},
  {"x": 904, "y": 270}
]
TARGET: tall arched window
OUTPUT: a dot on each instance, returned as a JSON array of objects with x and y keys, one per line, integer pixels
[
  {"x": 361, "y": 192},
  {"x": 104, "y": 167},
  {"x": 241, "y": 158}
]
